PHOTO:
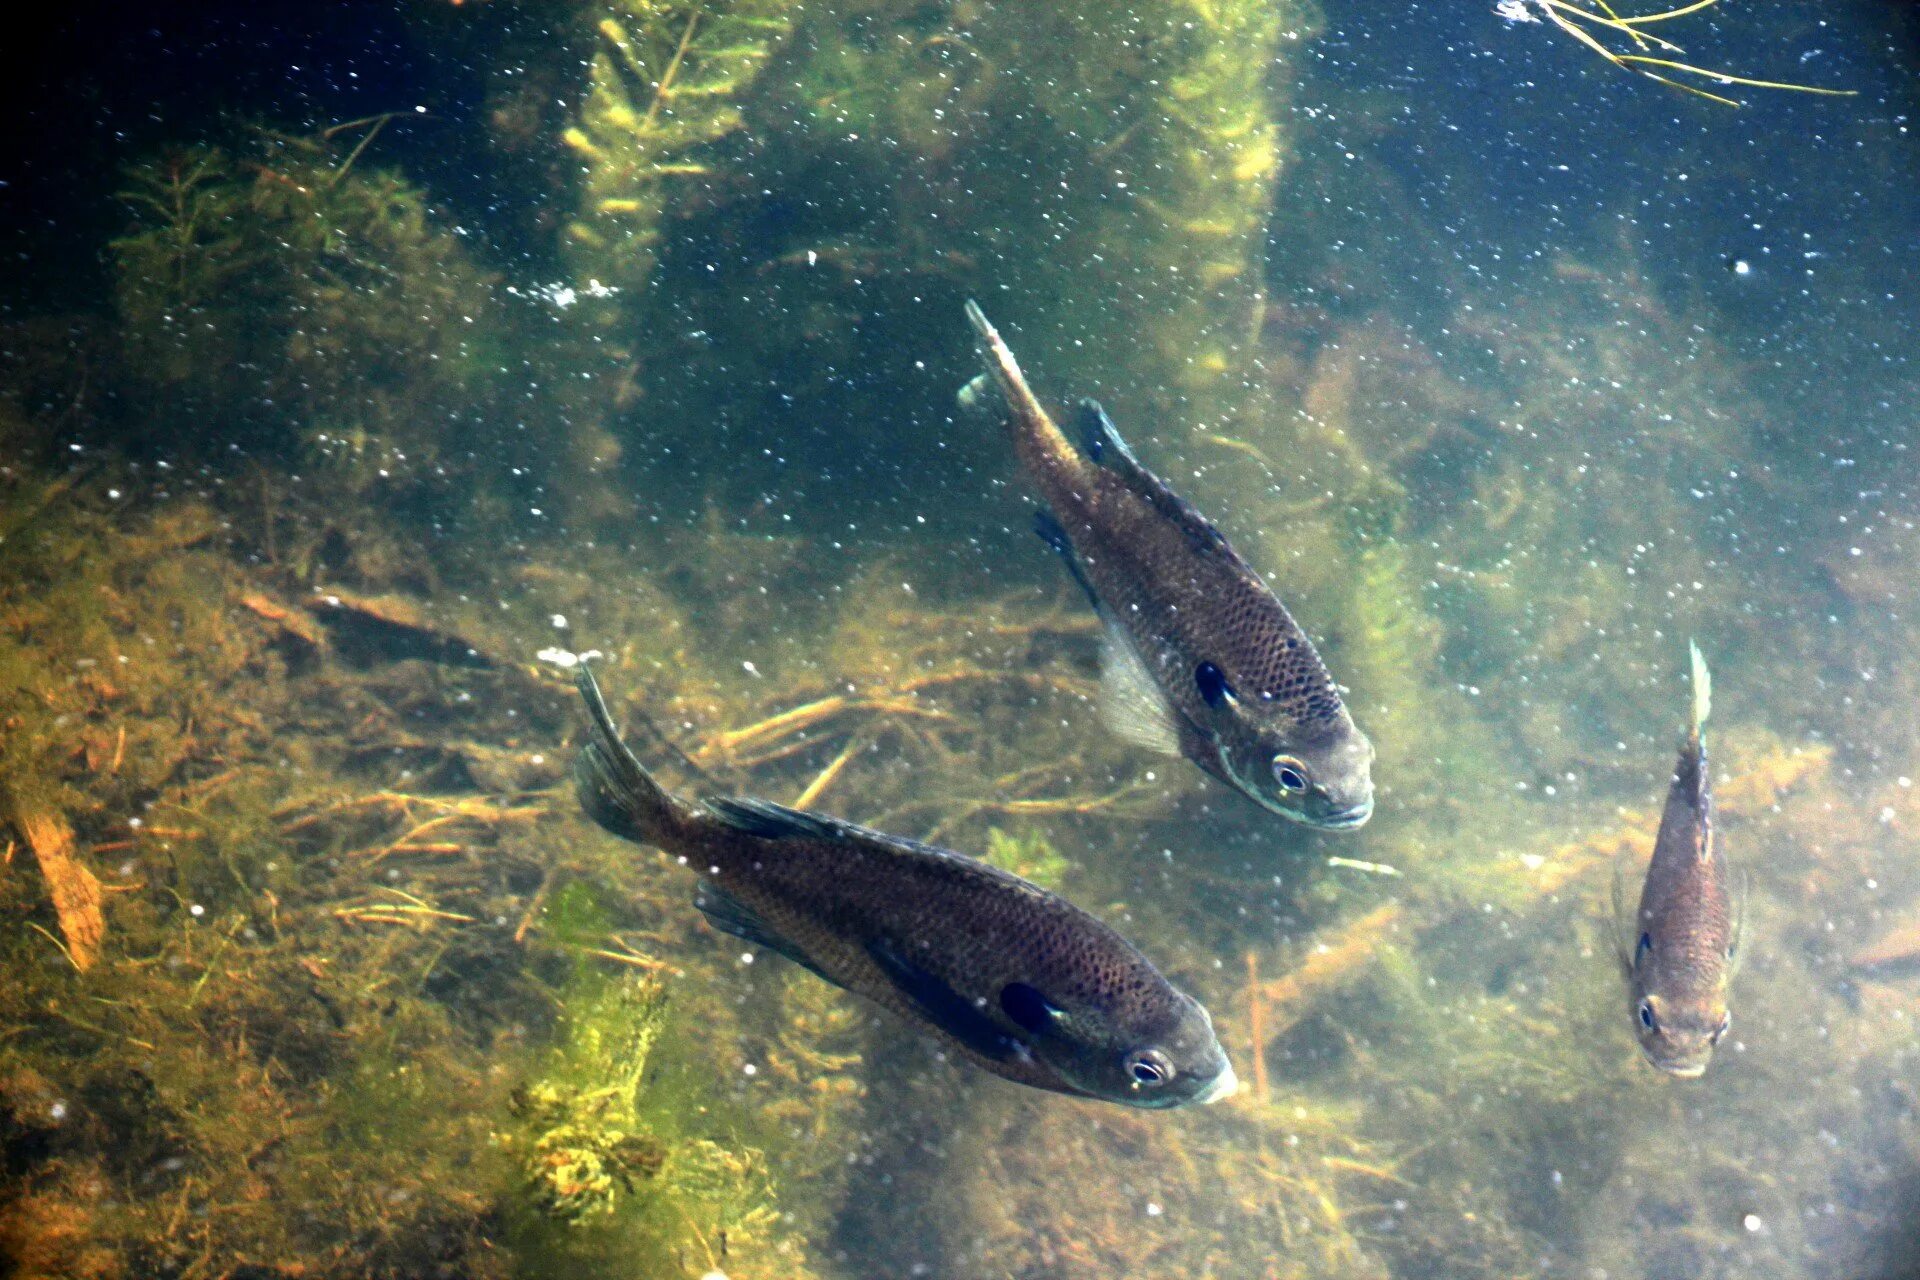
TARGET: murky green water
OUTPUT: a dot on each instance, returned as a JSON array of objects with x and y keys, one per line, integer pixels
[{"x": 361, "y": 370}]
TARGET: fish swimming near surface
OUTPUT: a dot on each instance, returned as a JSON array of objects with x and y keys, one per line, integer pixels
[
  {"x": 1680, "y": 947},
  {"x": 1018, "y": 979},
  {"x": 1198, "y": 657}
]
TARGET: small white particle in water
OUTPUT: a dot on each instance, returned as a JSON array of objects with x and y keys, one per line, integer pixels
[
  {"x": 114, "y": 494},
  {"x": 750, "y": 669},
  {"x": 536, "y": 758},
  {"x": 1154, "y": 1210},
  {"x": 559, "y": 621},
  {"x": 196, "y": 911},
  {"x": 1752, "y": 1223},
  {"x": 746, "y": 957},
  {"x": 721, "y": 1275},
  {"x": 58, "y": 1112},
  {"x": 750, "y": 1070}
]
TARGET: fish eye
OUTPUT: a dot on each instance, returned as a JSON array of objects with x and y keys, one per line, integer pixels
[
  {"x": 1149, "y": 1069},
  {"x": 1647, "y": 1019},
  {"x": 1290, "y": 774}
]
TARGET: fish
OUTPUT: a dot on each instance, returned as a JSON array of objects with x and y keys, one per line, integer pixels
[
  {"x": 1015, "y": 978},
  {"x": 1198, "y": 656},
  {"x": 1680, "y": 948}
]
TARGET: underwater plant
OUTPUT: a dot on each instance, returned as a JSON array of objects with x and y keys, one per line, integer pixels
[
  {"x": 587, "y": 1144},
  {"x": 1569, "y": 17},
  {"x": 666, "y": 83}
]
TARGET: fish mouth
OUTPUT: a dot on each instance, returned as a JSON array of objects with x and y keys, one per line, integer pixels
[
  {"x": 1224, "y": 1085},
  {"x": 1679, "y": 1069},
  {"x": 1351, "y": 816}
]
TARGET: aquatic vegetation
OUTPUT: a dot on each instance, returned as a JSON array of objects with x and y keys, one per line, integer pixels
[
  {"x": 1028, "y": 854},
  {"x": 586, "y": 1144},
  {"x": 666, "y": 84},
  {"x": 1569, "y": 17},
  {"x": 290, "y": 297}
]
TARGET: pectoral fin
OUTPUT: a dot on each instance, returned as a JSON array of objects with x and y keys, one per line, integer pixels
[
  {"x": 1623, "y": 926},
  {"x": 1742, "y": 893},
  {"x": 950, "y": 1010},
  {"x": 1131, "y": 704}
]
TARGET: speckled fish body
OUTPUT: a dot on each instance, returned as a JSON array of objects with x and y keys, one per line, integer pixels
[
  {"x": 1199, "y": 657},
  {"x": 1679, "y": 950},
  {"x": 1018, "y": 979}
]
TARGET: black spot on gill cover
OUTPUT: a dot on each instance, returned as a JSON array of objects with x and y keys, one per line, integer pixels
[
  {"x": 1027, "y": 1007},
  {"x": 1213, "y": 686}
]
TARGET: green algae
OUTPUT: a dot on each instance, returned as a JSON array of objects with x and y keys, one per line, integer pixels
[
  {"x": 666, "y": 84},
  {"x": 1029, "y": 855}
]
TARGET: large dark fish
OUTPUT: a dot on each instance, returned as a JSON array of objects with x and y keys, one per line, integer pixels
[
  {"x": 1018, "y": 979},
  {"x": 1198, "y": 657},
  {"x": 1680, "y": 948}
]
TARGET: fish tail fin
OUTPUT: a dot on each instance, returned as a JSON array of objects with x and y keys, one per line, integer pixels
[
  {"x": 614, "y": 788},
  {"x": 1702, "y": 690},
  {"x": 1034, "y": 428}
]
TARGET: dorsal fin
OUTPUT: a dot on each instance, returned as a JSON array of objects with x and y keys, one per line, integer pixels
[
  {"x": 1104, "y": 446},
  {"x": 771, "y": 821}
]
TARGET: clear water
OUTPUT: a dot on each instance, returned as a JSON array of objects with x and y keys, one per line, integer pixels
[{"x": 361, "y": 366}]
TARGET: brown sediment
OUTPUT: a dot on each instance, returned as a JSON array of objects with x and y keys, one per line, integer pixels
[
  {"x": 72, "y": 887},
  {"x": 1256, "y": 1028}
]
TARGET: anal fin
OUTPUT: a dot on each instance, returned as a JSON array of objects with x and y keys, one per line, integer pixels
[
  {"x": 1054, "y": 534},
  {"x": 730, "y": 915},
  {"x": 945, "y": 1007}
]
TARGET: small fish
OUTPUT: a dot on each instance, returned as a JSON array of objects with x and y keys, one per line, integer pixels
[
  {"x": 1198, "y": 657},
  {"x": 1685, "y": 936},
  {"x": 1016, "y": 978}
]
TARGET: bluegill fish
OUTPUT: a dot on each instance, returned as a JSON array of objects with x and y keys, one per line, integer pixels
[
  {"x": 1198, "y": 657},
  {"x": 1680, "y": 948},
  {"x": 1014, "y": 977}
]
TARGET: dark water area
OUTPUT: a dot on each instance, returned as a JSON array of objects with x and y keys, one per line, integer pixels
[{"x": 365, "y": 366}]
